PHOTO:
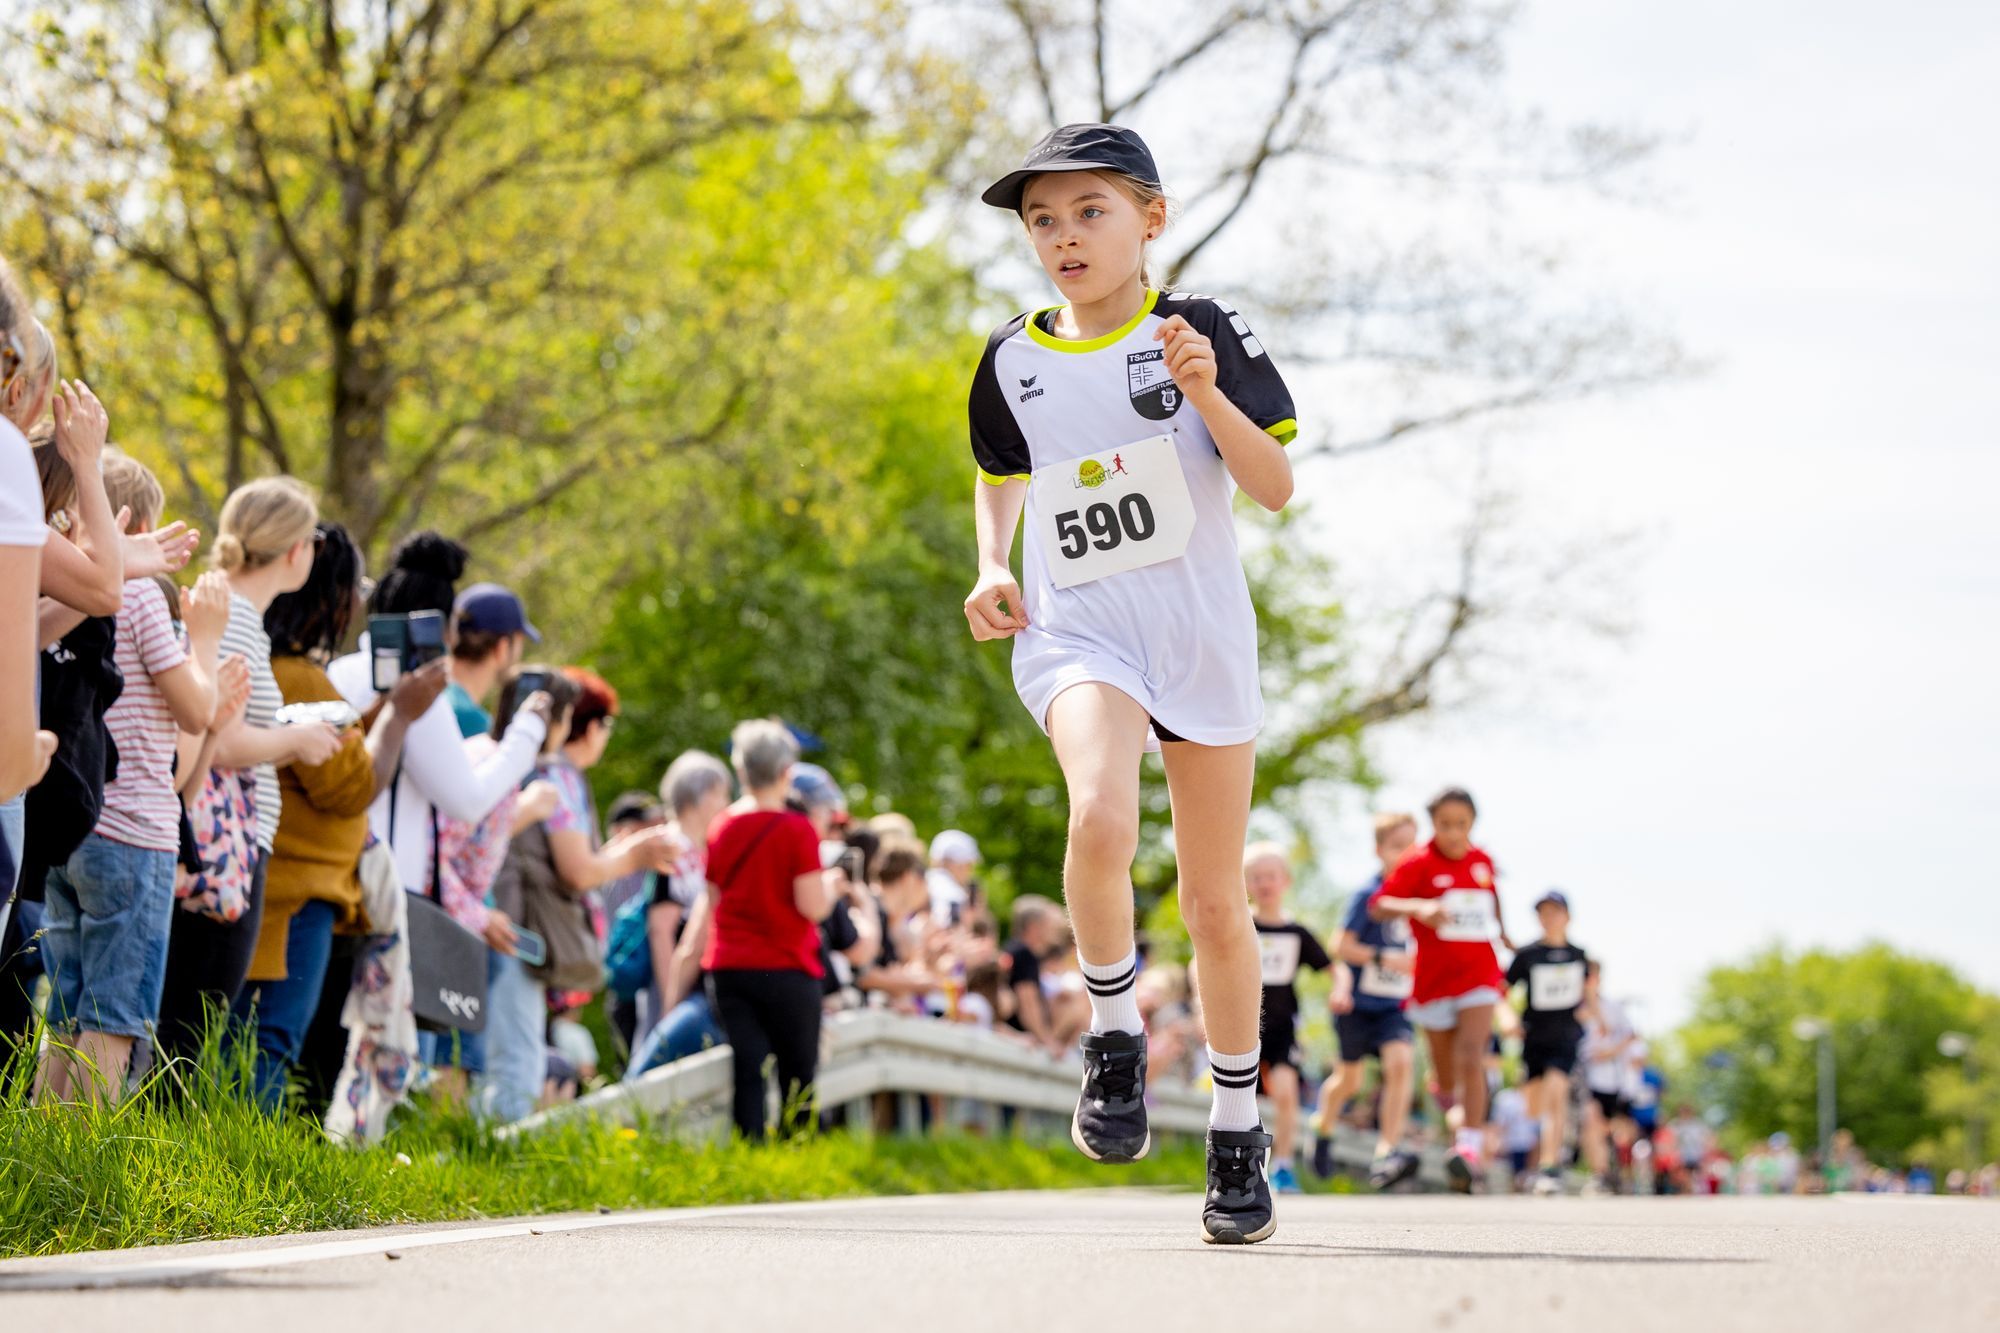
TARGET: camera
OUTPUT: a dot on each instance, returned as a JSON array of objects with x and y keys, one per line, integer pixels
[
  {"x": 529, "y": 683},
  {"x": 403, "y": 643}
]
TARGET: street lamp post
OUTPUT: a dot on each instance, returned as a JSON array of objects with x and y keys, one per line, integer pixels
[
  {"x": 1814, "y": 1029},
  {"x": 1958, "y": 1046}
]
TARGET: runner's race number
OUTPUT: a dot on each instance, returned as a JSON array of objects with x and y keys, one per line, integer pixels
[
  {"x": 1112, "y": 512},
  {"x": 1468, "y": 916}
]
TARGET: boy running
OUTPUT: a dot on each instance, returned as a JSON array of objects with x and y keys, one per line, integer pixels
[
  {"x": 1368, "y": 998},
  {"x": 1283, "y": 947},
  {"x": 1553, "y": 971}
]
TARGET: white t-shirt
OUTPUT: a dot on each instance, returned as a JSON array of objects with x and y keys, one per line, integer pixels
[
  {"x": 1179, "y": 634},
  {"x": 21, "y": 522},
  {"x": 436, "y": 772},
  {"x": 1604, "y": 1064}
]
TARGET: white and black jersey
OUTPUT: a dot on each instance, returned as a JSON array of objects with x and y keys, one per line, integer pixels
[{"x": 1131, "y": 573}]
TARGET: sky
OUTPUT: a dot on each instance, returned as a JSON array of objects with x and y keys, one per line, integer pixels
[{"x": 1799, "y": 740}]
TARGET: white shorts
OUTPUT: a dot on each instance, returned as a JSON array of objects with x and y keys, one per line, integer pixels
[{"x": 1442, "y": 1015}]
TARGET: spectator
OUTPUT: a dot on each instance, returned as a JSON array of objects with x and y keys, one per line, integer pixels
[
  {"x": 629, "y": 897},
  {"x": 490, "y": 632},
  {"x": 550, "y": 869},
  {"x": 265, "y": 549},
  {"x": 24, "y": 748},
  {"x": 110, "y": 906},
  {"x": 897, "y": 969},
  {"x": 1037, "y": 922},
  {"x": 768, "y": 894},
  {"x": 313, "y": 886},
  {"x": 436, "y": 777},
  {"x": 954, "y": 858},
  {"x": 695, "y": 790}
]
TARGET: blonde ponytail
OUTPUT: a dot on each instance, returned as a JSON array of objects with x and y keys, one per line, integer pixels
[{"x": 261, "y": 521}]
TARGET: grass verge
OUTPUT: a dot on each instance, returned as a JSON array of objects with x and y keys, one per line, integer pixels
[{"x": 159, "y": 1169}]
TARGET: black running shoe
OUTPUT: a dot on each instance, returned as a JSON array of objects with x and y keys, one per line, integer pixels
[
  {"x": 1110, "y": 1123},
  {"x": 1392, "y": 1170},
  {"x": 1323, "y": 1165},
  {"x": 1238, "y": 1209}
]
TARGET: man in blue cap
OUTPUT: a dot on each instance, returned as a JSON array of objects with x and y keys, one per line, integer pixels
[{"x": 491, "y": 632}]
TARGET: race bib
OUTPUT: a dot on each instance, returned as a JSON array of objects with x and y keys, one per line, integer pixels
[
  {"x": 1278, "y": 956},
  {"x": 1468, "y": 917},
  {"x": 1113, "y": 512},
  {"x": 1383, "y": 984},
  {"x": 1555, "y": 986}
]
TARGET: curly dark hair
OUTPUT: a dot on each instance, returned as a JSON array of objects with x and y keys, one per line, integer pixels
[
  {"x": 315, "y": 618},
  {"x": 424, "y": 571}
]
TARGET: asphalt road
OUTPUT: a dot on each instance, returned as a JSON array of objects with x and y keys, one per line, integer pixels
[{"x": 1114, "y": 1260}]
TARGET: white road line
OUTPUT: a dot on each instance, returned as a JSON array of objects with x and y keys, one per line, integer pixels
[{"x": 160, "y": 1271}]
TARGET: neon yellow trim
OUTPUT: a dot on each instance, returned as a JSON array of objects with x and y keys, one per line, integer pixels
[
  {"x": 1284, "y": 432},
  {"x": 992, "y": 480},
  {"x": 1047, "y": 339}
]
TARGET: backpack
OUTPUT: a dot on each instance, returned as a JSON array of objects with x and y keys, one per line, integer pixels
[
  {"x": 628, "y": 952},
  {"x": 80, "y": 681}
]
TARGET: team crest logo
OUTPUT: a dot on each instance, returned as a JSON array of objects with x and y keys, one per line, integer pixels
[
  {"x": 1481, "y": 875},
  {"x": 1155, "y": 396}
]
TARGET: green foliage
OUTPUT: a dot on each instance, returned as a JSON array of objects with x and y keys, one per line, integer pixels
[{"x": 1887, "y": 1011}]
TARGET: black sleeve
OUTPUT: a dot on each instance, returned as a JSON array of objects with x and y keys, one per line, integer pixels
[
  {"x": 838, "y": 929},
  {"x": 1026, "y": 967},
  {"x": 998, "y": 445},
  {"x": 1517, "y": 971},
  {"x": 1243, "y": 369},
  {"x": 1311, "y": 952}
]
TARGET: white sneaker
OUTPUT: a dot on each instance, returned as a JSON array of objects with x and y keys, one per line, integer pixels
[{"x": 1547, "y": 1186}]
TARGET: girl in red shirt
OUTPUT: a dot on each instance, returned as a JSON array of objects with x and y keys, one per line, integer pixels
[{"x": 1446, "y": 889}]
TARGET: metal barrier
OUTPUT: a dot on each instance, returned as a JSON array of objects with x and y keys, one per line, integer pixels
[{"x": 869, "y": 1052}]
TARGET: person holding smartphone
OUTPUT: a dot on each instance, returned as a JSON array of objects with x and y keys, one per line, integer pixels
[{"x": 313, "y": 889}]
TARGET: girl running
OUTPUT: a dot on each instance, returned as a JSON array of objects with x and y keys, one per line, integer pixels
[
  {"x": 1445, "y": 888},
  {"x": 1122, "y": 423}
]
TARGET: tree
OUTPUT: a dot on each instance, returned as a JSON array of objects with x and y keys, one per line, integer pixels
[
  {"x": 442, "y": 258},
  {"x": 1887, "y": 1010}
]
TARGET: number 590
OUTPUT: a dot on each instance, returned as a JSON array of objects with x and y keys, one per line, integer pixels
[{"x": 1105, "y": 527}]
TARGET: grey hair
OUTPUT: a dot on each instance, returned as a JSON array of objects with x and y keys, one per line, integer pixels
[
  {"x": 763, "y": 750},
  {"x": 691, "y": 777}
]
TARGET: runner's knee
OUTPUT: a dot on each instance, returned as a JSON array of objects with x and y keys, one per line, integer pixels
[
  {"x": 1103, "y": 831},
  {"x": 1213, "y": 916}
]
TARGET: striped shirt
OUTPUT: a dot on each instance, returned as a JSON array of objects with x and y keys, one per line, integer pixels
[
  {"x": 140, "y": 808},
  {"x": 246, "y": 637}
]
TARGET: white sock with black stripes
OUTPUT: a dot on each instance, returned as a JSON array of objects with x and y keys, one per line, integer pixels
[
  {"x": 1113, "y": 1006},
  {"x": 1235, "y": 1090}
]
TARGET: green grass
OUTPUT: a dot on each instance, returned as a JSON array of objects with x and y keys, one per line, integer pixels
[{"x": 160, "y": 1169}]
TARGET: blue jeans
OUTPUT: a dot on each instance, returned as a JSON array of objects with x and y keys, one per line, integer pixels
[
  {"x": 282, "y": 1010},
  {"x": 517, "y": 1025},
  {"x": 455, "y": 1049},
  {"x": 104, "y": 937},
  {"x": 13, "y": 825},
  {"x": 689, "y": 1030}
]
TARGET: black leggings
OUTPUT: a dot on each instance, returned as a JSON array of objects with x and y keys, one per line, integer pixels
[
  {"x": 206, "y": 964},
  {"x": 766, "y": 1013}
]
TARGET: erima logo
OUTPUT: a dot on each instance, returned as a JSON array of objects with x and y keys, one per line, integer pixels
[{"x": 1032, "y": 391}]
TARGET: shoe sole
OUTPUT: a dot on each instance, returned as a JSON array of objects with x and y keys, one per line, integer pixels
[
  {"x": 1460, "y": 1173},
  {"x": 1240, "y": 1237},
  {"x": 1108, "y": 1159}
]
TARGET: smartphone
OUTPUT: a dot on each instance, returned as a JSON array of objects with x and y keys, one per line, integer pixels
[
  {"x": 854, "y": 863},
  {"x": 425, "y": 641},
  {"x": 388, "y": 637},
  {"x": 529, "y": 947},
  {"x": 529, "y": 682}
]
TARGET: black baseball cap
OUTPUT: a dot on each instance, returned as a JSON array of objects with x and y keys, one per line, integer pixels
[{"x": 1083, "y": 147}]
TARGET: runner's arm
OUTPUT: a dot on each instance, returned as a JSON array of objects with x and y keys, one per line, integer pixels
[{"x": 996, "y": 514}]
